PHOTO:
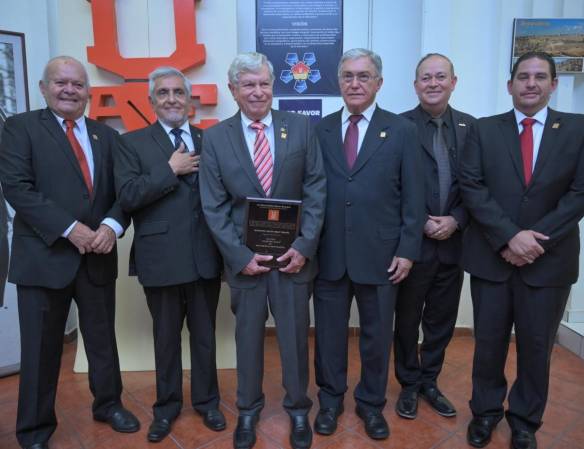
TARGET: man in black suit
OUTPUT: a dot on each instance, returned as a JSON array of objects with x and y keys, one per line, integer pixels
[
  {"x": 370, "y": 238},
  {"x": 173, "y": 253},
  {"x": 56, "y": 169},
  {"x": 522, "y": 181},
  {"x": 260, "y": 152},
  {"x": 431, "y": 293}
]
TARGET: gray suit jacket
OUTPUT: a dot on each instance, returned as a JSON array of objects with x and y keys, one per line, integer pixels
[
  {"x": 375, "y": 210},
  {"x": 172, "y": 244},
  {"x": 228, "y": 176}
]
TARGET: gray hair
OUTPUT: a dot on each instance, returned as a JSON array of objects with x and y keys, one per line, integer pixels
[
  {"x": 163, "y": 72},
  {"x": 430, "y": 55},
  {"x": 356, "y": 53},
  {"x": 62, "y": 58},
  {"x": 248, "y": 62}
]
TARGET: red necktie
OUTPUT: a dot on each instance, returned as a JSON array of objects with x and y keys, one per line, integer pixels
[
  {"x": 352, "y": 140},
  {"x": 79, "y": 154},
  {"x": 526, "y": 138},
  {"x": 262, "y": 157}
]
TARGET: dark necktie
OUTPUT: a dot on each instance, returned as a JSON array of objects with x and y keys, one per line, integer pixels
[
  {"x": 262, "y": 157},
  {"x": 442, "y": 161},
  {"x": 526, "y": 138},
  {"x": 352, "y": 140},
  {"x": 176, "y": 132},
  {"x": 79, "y": 154}
]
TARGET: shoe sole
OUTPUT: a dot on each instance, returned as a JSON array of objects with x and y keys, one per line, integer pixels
[{"x": 405, "y": 416}]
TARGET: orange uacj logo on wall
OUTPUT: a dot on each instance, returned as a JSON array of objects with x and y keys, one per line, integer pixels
[{"x": 129, "y": 101}]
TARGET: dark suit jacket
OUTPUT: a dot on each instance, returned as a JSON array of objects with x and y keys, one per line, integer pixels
[
  {"x": 500, "y": 205},
  {"x": 448, "y": 251},
  {"x": 374, "y": 211},
  {"x": 42, "y": 181},
  {"x": 172, "y": 244},
  {"x": 228, "y": 176}
]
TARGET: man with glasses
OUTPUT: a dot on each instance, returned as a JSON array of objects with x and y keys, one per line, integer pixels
[
  {"x": 431, "y": 293},
  {"x": 371, "y": 235},
  {"x": 173, "y": 252}
]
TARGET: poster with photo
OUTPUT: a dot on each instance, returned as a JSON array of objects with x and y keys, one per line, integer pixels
[
  {"x": 563, "y": 39},
  {"x": 13, "y": 99},
  {"x": 303, "y": 39}
]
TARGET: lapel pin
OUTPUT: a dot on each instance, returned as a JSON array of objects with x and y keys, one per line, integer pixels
[
  {"x": 94, "y": 137},
  {"x": 283, "y": 133},
  {"x": 383, "y": 134},
  {"x": 462, "y": 124},
  {"x": 556, "y": 125}
]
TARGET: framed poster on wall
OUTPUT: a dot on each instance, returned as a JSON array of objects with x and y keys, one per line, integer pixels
[
  {"x": 563, "y": 39},
  {"x": 304, "y": 42},
  {"x": 13, "y": 99}
]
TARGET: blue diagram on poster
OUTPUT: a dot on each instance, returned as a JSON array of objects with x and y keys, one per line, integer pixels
[
  {"x": 303, "y": 41},
  {"x": 311, "y": 107}
]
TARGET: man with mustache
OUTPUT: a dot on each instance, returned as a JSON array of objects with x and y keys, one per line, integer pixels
[{"x": 522, "y": 181}]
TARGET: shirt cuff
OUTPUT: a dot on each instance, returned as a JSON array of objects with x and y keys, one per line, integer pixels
[
  {"x": 68, "y": 230},
  {"x": 116, "y": 227}
]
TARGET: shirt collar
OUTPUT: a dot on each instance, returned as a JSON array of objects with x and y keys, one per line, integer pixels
[
  {"x": 80, "y": 122},
  {"x": 246, "y": 121},
  {"x": 185, "y": 127},
  {"x": 540, "y": 116},
  {"x": 367, "y": 113},
  {"x": 427, "y": 117}
]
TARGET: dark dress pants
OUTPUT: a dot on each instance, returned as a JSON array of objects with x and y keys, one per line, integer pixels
[
  {"x": 288, "y": 302},
  {"x": 536, "y": 313},
  {"x": 430, "y": 295},
  {"x": 169, "y": 306},
  {"x": 43, "y": 315},
  {"x": 332, "y": 306}
]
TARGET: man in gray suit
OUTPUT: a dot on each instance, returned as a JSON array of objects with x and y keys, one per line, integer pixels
[
  {"x": 289, "y": 167},
  {"x": 371, "y": 235},
  {"x": 173, "y": 252}
]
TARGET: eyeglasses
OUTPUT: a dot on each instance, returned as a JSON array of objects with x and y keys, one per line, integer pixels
[{"x": 363, "y": 77}]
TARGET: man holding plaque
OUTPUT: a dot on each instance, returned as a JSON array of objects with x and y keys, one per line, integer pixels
[
  {"x": 173, "y": 253},
  {"x": 372, "y": 233},
  {"x": 260, "y": 152}
]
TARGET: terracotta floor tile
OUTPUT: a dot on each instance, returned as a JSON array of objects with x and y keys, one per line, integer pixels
[
  {"x": 344, "y": 440},
  {"x": 7, "y": 417},
  {"x": 575, "y": 434},
  {"x": 558, "y": 419},
  {"x": 9, "y": 389},
  {"x": 190, "y": 432}
]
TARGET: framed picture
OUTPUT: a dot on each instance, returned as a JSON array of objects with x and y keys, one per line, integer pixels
[
  {"x": 13, "y": 81},
  {"x": 563, "y": 39}
]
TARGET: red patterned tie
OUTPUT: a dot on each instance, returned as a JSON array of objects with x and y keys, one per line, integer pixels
[
  {"x": 262, "y": 157},
  {"x": 79, "y": 154},
  {"x": 352, "y": 140},
  {"x": 526, "y": 138}
]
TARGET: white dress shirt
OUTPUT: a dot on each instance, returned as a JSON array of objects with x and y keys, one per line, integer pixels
[
  {"x": 362, "y": 125},
  {"x": 537, "y": 128},
  {"x": 185, "y": 135}
]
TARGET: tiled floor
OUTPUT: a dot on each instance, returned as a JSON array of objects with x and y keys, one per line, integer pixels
[{"x": 563, "y": 422}]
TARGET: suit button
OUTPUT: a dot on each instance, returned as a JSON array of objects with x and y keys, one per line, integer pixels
[
  {"x": 348, "y": 203},
  {"x": 435, "y": 194},
  {"x": 85, "y": 196},
  {"x": 525, "y": 199},
  {"x": 349, "y": 179}
]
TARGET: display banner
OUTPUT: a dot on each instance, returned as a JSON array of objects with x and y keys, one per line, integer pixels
[
  {"x": 303, "y": 39},
  {"x": 311, "y": 107}
]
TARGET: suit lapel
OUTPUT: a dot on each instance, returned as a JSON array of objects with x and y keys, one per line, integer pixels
[
  {"x": 281, "y": 145},
  {"x": 50, "y": 122},
  {"x": 162, "y": 139},
  {"x": 96, "y": 149},
  {"x": 376, "y": 135},
  {"x": 419, "y": 119},
  {"x": 551, "y": 131},
  {"x": 510, "y": 135},
  {"x": 239, "y": 146},
  {"x": 334, "y": 140},
  {"x": 460, "y": 130}
]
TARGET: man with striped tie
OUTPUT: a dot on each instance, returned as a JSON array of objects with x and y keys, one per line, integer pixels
[
  {"x": 260, "y": 152},
  {"x": 173, "y": 254}
]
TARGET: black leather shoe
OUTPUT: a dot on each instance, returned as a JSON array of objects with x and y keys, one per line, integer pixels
[
  {"x": 158, "y": 430},
  {"x": 375, "y": 424},
  {"x": 121, "y": 420},
  {"x": 300, "y": 432},
  {"x": 523, "y": 439},
  {"x": 438, "y": 401},
  {"x": 38, "y": 446},
  {"x": 326, "y": 420},
  {"x": 244, "y": 436},
  {"x": 213, "y": 419},
  {"x": 480, "y": 429},
  {"x": 407, "y": 404}
]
